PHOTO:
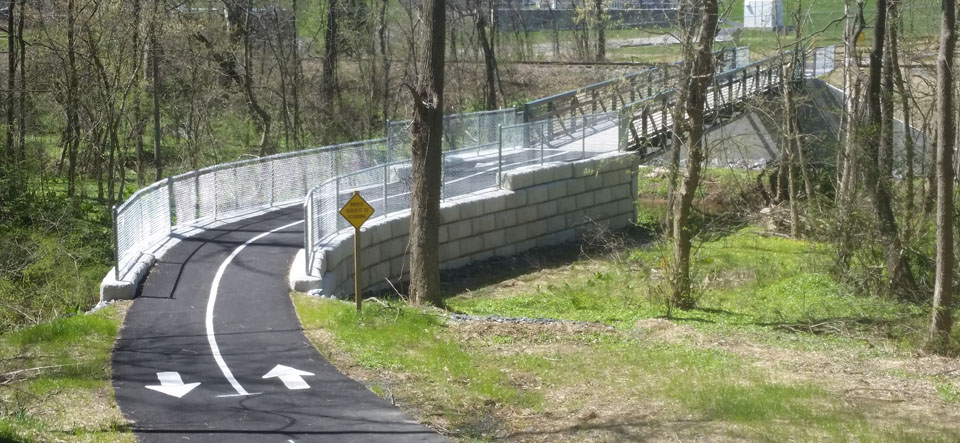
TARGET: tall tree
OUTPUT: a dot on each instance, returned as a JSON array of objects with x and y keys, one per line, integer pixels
[
  {"x": 155, "y": 86},
  {"x": 427, "y": 136},
  {"x": 943, "y": 285},
  {"x": 700, "y": 77},
  {"x": 331, "y": 50},
  {"x": 489, "y": 59},
  {"x": 601, "y": 29},
  {"x": 876, "y": 180}
]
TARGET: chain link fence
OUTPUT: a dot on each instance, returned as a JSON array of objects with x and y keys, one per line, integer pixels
[
  {"x": 228, "y": 190},
  {"x": 466, "y": 168}
]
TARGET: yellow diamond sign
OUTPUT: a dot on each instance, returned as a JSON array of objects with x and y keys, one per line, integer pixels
[{"x": 357, "y": 210}]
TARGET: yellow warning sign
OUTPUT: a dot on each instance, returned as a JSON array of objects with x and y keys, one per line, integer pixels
[{"x": 357, "y": 210}]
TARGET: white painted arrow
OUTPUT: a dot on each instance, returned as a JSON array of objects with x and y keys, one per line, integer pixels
[
  {"x": 172, "y": 384},
  {"x": 292, "y": 378}
]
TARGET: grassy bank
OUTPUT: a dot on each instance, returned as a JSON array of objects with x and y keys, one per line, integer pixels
[
  {"x": 55, "y": 380},
  {"x": 776, "y": 350}
]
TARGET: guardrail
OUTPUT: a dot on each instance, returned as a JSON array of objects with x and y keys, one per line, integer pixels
[{"x": 387, "y": 186}]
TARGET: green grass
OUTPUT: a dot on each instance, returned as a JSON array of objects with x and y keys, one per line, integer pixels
[
  {"x": 744, "y": 281},
  {"x": 399, "y": 338},
  {"x": 63, "y": 391}
]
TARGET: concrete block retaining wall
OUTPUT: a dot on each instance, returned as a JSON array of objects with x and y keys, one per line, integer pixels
[{"x": 536, "y": 207}]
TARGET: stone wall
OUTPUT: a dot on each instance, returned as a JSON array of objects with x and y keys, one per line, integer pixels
[{"x": 537, "y": 206}]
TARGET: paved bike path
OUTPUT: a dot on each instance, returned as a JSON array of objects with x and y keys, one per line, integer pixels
[{"x": 252, "y": 329}]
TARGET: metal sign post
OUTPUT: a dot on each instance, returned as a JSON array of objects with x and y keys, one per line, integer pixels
[{"x": 356, "y": 211}]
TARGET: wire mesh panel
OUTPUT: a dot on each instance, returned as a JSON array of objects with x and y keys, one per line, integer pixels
[
  {"x": 143, "y": 219},
  {"x": 477, "y": 130}
]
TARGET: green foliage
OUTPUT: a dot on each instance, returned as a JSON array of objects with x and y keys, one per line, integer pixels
[{"x": 52, "y": 256}]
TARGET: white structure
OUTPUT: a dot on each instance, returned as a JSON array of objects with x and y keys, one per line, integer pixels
[{"x": 763, "y": 14}]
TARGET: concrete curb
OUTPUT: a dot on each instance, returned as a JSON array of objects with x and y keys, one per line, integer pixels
[{"x": 299, "y": 280}]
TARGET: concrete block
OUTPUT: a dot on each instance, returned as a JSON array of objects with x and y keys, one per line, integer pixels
[
  {"x": 484, "y": 223},
  {"x": 562, "y": 171},
  {"x": 575, "y": 218},
  {"x": 470, "y": 209},
  {"x": 481, "y": 256},
  {"x": 620, "y": 192},
  {"x": 400, "y": 226},
  {"x": 516, "y": 234},
  {"x": 380, "y": 232},
  {"x": 515, "y": 199},
  {"x": 449, "y": 213},
  {"x": 537, "y": 194},
  {"x": 601, "y": 196},
  {"x": 575, "y": 187},
  {"x": 508, "y": 250},
  {"x": 627, "y": 207},
  {"x": 494, "y": 239},
  {"x": 442, "y": 233},
  {"x": 505, "y": 219},
  {"x": 395, "y": 247},
  {"x": 526, "y": 214},
  {"x": 593, "y": 182},
  {"x": 550, "y": 208},
  {"x": 370, "y": 256},
  {"x": 494, "y": 204},
  {"x": 634, "y": 184},
  {"x": 564, "y": 205},
  {"x": 471, "y": 245},
  {"x": 398, "y": 266},
  {"x": 585, "y": 200},
  {"x": 556, "y": 190},
  {"x": 536, "y": 228},
  {"x": 584, "y": 168},
  {"x": 460, "y": 229},
  {"x": 126, "y": 287},
  {"x": 557, "y": 223},
  {"x": 449, "y": 251},
  {"x": 518, "y": 179},
  {"x": 611, "y": 178},
  {"x": 455, "y": 264},
  {"x": 379, "y": 272},
  {"x": 526, "y": 245}
]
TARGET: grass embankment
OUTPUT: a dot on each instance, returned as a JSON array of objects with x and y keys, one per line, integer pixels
[
  {"x": 776, "y": 349},
  {"x": 55, "y": 380}
]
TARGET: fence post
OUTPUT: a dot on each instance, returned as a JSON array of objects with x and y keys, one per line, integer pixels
[
  {"x": 172, "y": 205},
  {"x": 386, "y": 171},
  {"x": 216, "y": 200},
  {"x": 541, "y": 144},
  {"x": 116, "y": 245},
  {"x": 583, "y": 138},
  {"x": 196, "y": 195},
  {"x": 336, "y": 205},
  {"x": 273, "y": 181},
  {"x": 499, "y": 156},
  {"x": 307, "y": 237}
]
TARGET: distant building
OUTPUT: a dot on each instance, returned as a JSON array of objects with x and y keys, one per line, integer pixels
[{"x": 763, "y": 14}]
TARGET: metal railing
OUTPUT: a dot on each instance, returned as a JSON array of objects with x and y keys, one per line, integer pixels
[
  {"x": 227, "y": 190},
  {"x": 387, "y": 187},
  {"x": 611, "y": 95}
]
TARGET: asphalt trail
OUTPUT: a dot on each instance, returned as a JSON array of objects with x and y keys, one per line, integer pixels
[{"x": 255, "y": 329}]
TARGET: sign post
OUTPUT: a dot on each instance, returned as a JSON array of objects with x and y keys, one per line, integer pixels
[{"x": 356, "y": 211}]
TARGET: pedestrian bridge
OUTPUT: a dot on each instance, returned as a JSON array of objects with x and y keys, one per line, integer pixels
[{"x": 496, "y": 166}]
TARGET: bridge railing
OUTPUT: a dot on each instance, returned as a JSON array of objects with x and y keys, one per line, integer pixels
[
  {"x": 387, "y": 187},
  {"x": 610, "y": 95},
  {"x": 645, "y": 123}
]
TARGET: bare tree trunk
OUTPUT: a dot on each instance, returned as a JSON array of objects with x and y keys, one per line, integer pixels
[
  {"x": 427, "y": 136},
  {"x": 701, "y": 76},
  {"x": 330, "y": 52},
  {"x": 886, "y": 97},
  {"x": 11, "y": 81},
  {"x": 489, "y": 60},
  {"x": 902, "y": 89},
  {"x": 138, "y": 120},
  {"x": 155, "y": 88},
  {"x": 601, "y": 28},
  {"x": 877, "y": 183},
  {"x": 72, "y": 135},
  {"x": 943, "y": 286},
  {"x": 853, "y": 28},
  {"x": 382, "y": 33}
]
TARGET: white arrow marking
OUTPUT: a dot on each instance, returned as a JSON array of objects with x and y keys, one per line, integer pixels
[
  {"x": 172, "y": 384},
  {"x": 292, "y": 378}
]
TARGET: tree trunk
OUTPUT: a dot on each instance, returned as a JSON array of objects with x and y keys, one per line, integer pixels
[
  {"x": 601, "y": 27},
  {"x": 11, "y": 81},
  {"x": 382, "y": 33},
  {"x": 489, "y": 61},
  {"x": 877, "y": 183},
  {"x": 72, "y": 135},
  {"x": 701, "y": 76},
  {"x": 155, "y": 88},
  {"x": 903, "y": 90},
  {"x": 943, "y": 286},
  {"x": 427, "y": 136},
  {"x": 330, "y": 52}
]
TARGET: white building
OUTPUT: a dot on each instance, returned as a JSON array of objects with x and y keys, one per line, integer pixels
[{"x": 763, "y": 14}]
